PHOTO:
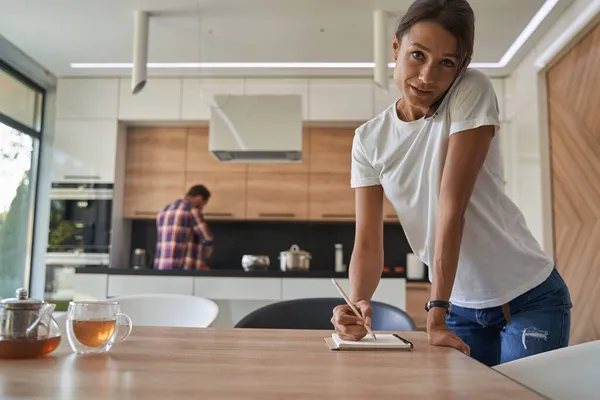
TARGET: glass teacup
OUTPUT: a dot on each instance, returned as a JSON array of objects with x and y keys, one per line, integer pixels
[{"x": 95, "y": 326}]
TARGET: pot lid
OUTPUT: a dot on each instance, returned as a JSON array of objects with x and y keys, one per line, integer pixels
[
  {"x": 21, "y": 302},
  {"x": 295, "y": 250}
]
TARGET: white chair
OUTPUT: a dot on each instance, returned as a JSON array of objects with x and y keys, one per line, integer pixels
[
  {"x": 569, "y": 373},
  {"x": 61, "y": 320},
  {"x": 174, "y": 310}
]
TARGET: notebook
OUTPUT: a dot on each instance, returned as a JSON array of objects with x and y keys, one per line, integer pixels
[{"x": 384, "y": 341}]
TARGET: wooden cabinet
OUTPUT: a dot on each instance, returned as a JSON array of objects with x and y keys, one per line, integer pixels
[
  {"x": 147, "y": 193},
  {"x": 331, "y": 150},
  {"x": 154, "y": 172},
  {"x": 417, "y": 294},
  {"x": 156, "y": 150},
  {"x": 227, "y": 193},
  {"x": 287, "y": 167},
  {"x": 162, "y": 163},
  {"x": 84, "y": 151},
  {"x": 330, "y": 197},
  {"x": 160, "y": 100},
  {"x": 200, "y": 159},
  {"x": 277, "y": 196},
  {"x": 389, "y": 214}
]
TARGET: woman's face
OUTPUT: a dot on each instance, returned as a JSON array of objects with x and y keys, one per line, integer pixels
[{"x": 426, "y": 63}]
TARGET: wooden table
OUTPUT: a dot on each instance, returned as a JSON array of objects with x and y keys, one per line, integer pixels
[{"x": 174, "y": 363}]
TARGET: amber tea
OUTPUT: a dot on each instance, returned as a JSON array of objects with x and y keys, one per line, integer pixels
[
  {"x": 93, "y": 333},
  {"x": 28, "y": 348}
]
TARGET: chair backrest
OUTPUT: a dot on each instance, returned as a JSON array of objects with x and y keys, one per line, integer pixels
[
  {"x": 316, "y": 313},
  {"x": 61, "y": 320},
  {"x": 173, "y": 310}
]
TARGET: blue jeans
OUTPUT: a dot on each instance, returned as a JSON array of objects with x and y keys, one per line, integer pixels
[{"x": 540, "y": 321}]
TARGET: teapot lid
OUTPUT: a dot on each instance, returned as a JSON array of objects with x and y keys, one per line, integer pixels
[{"x": 21, "y": 302}]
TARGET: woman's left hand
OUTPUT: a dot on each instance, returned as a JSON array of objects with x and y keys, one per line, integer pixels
[
  {"x": 442, "y": 336},
  {"x": 439, "y": 334}
]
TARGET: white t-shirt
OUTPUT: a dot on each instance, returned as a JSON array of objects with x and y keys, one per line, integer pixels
[{"x": 499, "y": 257}]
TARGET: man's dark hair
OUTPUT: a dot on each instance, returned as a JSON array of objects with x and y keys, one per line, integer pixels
[{"x": 199, "y": 190}]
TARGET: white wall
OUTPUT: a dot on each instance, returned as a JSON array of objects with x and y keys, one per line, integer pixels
[{"x": 528, "y": 157}]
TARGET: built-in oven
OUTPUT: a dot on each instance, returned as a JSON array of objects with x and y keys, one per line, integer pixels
[{"x": 79, "y": 233}]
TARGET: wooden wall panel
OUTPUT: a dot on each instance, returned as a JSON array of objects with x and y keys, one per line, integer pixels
[{"x": 574, "y": 101}]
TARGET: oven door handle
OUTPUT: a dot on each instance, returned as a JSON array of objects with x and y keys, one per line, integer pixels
[{"x": 81, "y": 194}]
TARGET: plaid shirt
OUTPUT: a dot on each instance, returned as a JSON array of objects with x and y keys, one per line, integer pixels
[{"x": 182, "y": 237}]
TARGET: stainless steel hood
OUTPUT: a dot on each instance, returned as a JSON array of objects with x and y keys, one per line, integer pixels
[{"x": 256, "y": 128}]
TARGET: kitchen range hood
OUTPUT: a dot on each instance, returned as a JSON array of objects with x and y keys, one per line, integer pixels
[{"x": 256, "y": 128}]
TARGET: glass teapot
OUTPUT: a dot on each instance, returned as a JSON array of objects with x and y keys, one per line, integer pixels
[{"x": 24, "y": 318}]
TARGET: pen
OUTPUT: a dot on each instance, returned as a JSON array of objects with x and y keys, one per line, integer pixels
[{"x": 339, "y": 288}]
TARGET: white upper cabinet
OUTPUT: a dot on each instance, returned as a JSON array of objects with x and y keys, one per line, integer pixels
[
  {"x": 340, "y": 100},
  {"x": 87, "y": 98},
  {"x": 280, "y": 86},
  {"x": 383, "y": 100},
  {"x": 159, "y": 100},
  {"x": 197, "y": 94},
  {"x": 84, "y": 151}
]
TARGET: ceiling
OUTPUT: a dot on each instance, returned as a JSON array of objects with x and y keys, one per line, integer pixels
[{"x": 58, "y": 32}]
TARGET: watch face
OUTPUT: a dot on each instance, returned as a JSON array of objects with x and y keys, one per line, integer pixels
[{"x": 439, "y": 303}]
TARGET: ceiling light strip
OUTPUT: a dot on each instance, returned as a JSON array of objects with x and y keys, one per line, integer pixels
[{"x": 535, "y": 22}]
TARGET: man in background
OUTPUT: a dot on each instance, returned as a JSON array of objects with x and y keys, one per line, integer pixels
[{"x": 183, "y": 239}]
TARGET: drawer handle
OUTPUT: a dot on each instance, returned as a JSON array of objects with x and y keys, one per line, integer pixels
[
  {"x": 218, "y": 214},
  {"x": 277, "y": 215},
  {"x": 391, "y": 216},
  {"x": 339, "y": 216},
  {"x": 95, "y": 177},
  {"x": 146, "y": 213}
]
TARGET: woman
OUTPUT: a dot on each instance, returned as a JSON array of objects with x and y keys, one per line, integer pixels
[{"x": 435, "y": 154}]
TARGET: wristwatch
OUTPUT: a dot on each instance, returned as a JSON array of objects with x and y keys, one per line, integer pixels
[{"x": 438, "y": 303}]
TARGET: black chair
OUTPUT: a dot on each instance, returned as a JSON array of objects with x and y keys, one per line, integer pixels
[{"x": 316, "y": 313}]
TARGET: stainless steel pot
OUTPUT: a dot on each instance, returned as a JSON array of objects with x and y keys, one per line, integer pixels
[
  {"x": 294, "y": 259},
  {"x": 252, "y": 262}
]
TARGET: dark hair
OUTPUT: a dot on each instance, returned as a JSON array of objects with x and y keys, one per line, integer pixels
[
  {"x": 455, "y": 16},
  {"x": 199, "y": 190}
]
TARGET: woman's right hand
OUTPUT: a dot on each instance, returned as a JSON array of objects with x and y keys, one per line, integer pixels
[{"x": 347, "y": 325}]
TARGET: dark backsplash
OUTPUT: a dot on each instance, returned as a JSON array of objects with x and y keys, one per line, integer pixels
[{"x": 233, "y": 239}]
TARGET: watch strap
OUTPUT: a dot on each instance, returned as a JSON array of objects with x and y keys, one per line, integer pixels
[{"x": 437, "y": 303}]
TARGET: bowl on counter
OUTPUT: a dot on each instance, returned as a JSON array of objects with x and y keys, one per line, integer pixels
[{"x": 255, "y": 262}]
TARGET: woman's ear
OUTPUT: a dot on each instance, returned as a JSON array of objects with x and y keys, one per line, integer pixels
[{"x": 395, "y": 47}]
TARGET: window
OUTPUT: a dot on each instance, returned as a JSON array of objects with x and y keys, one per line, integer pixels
[{"x": 20, "y": 126}]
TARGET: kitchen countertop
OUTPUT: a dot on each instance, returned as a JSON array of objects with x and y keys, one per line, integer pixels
[{"x": 239, "y": 273}]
